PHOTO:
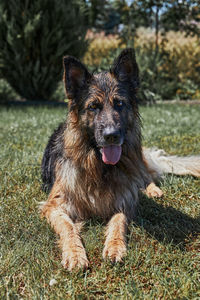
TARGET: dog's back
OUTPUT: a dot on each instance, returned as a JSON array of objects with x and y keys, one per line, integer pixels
[{"x": 53, "y": 152}]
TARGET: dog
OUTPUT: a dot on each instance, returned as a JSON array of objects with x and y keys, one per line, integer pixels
[{"x": 94, "y": 164}]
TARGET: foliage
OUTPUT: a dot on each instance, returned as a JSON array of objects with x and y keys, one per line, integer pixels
[
  {"x": 6, "y": 92},
  {"x": 181, "y": 16},
  {"x": 176, "y": 71},
  {"x": 162, "y": 260},
  {"x": 172, "y": 73},
  {"x": 59, "y": 94},
  {"x": 34, "y": 36},
  {"x": 128, "y": 15},
  {"x": 102, "y": 16},
  {"x": 163, "y": 15},
  {"x": 133, "y": 14},
  {"x": 101, "y": 51}
]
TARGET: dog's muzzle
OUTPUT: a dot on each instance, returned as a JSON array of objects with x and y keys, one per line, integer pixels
[
  {"x": 111, "y": 150},
  {"x": 112, "y": 136}
]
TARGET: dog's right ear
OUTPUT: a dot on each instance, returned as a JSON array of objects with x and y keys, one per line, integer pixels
[
  {"x": 76, "y": 76},
  {"x": 125, "y": 68}
]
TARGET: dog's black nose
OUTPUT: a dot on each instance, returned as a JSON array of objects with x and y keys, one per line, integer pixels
[{"x": 112, "y": 136}]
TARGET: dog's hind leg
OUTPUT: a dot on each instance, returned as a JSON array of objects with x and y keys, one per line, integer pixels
[
  {"x": 73, "y": 252},
  {"x": 115, "y": 244}
]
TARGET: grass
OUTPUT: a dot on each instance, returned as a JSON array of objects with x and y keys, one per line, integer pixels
[{"x": 162, "y": 260}]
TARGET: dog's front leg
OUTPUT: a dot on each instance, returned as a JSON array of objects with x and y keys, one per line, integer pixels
[
  {"x": 115, "y": 243},
  {"x": 153, "y": 190},
  {"x": 73, "y": 252}
]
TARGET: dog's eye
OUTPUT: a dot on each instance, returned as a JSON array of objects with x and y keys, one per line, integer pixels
[
  {"x": 118, "y": 103},
  {"x": 93, "y": 106}
]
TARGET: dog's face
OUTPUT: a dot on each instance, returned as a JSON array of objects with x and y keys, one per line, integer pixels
[{"x": 104, "y": 102}]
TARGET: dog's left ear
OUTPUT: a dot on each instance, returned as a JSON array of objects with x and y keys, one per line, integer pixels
[
  {"x": 125, "y": 68},
  {"x": 76, "y": 77}
]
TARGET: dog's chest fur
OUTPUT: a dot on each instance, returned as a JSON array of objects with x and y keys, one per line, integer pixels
[{"x": 86, "y": 197}]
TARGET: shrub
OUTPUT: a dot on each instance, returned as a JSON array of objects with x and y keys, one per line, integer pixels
[
  {"x": 6, "y": 92},
  {"x": 175, "y": 72},
  {"x": 172, "y": 72},
  {"x": 101, "y": 51},
  {"x": 34, "y": 36}
]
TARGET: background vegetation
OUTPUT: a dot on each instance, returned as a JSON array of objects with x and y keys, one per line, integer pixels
[
  {"x": 174, "y": 74},
  {"x": 36, "y": 35},
  {"x": 162, "y": 260}
]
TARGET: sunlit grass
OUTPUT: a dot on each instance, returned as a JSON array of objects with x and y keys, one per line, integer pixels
[{"x": 162, "y": 260}]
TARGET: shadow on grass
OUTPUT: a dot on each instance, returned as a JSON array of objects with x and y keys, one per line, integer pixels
[{"x": 166, "y": 224}]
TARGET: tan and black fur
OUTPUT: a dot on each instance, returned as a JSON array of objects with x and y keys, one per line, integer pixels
[{"x": 93, "y": 164}]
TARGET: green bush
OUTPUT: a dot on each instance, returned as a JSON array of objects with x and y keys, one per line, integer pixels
[
  {"x": 6, "y": 92},
  {"x": 34, "y": 36}
]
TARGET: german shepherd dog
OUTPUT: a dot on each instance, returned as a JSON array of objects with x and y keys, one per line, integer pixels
[{"x": 94, "y": 164}]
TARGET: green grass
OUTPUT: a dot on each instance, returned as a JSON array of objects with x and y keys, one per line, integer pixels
[{"x": 162, "y": 260}]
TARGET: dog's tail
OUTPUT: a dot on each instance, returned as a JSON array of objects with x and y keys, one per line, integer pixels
[{"x": 159, "y": 162}]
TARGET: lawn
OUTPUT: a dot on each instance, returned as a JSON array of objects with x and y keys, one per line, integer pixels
[{"x": 162, "y": 260}]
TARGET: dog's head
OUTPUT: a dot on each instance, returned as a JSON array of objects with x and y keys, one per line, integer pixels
[{"x": 105, "y": 103}]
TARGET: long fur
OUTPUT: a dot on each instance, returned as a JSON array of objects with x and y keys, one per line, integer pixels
[{"x": 82, "y": 182}]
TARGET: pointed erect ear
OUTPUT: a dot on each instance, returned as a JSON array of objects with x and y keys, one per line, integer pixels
[
  {"x": 76, "y": 76},
  {"x": 125, "y": 68}
]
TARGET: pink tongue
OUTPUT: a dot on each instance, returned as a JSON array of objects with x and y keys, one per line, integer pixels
[{"x": 111, "y": 154}]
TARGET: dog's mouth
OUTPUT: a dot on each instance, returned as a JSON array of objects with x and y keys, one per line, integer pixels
[{"x": 111, "y": 154}]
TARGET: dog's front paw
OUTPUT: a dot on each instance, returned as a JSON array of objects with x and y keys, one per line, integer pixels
[
  {"x": 115, "y": 250},
  {"x": 153, "y": 191},
  {"x": 75, "y": 259}
]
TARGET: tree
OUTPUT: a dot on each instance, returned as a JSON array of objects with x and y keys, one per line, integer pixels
[
  {"x": 135, "y": 14},
  {"x": 102, "y": 16},
  {"x": 34, "y": 37},
  {"x": 182, "y": 15}
]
